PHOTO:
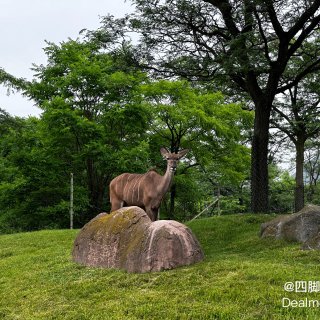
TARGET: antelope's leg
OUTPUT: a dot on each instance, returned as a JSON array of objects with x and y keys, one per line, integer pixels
[
  {"x": 149, "y": 212},
  {"x": 116, "y": 204},
  {"x": 155, "y": 214},
  {"x": 152, "y": 213}
]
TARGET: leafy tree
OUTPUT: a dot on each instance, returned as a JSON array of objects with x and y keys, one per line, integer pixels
[
  {"x": 297, "y": 114},
  {"x": 188, "y": 117},
  {"x": 312, "y": 170},
  {"x": 33, "y": 188},
  {"x": 92, "y": 113},
  {"x": 11, "y": 82},
  {"x": 93, "y": 124},
  {"x": 281, "y": 190},
  {"x": 248, "y": 43},
  {"x": 7, "y": 122}
]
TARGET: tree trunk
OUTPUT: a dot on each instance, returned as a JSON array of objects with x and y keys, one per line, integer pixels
[
  {"x": 311, "y": 193},
  {"x": 218, "y": 198},
  {"x": 259, "y": 158},
  {"x": 299, "y": 188},
  {"x": 96, "y": 190},
  {"x": 172, "y": 200}
]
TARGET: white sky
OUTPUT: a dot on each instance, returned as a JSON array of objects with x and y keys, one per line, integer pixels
[{"x": 24, "y": 27}]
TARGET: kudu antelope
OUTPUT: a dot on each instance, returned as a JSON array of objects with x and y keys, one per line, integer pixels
[{"x": 144, "y": 190}]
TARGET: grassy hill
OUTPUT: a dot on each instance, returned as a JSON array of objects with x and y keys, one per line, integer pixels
[{"x": 242, "y": 277}]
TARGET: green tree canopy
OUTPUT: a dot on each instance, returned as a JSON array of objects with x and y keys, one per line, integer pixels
[
  {"x": 249, "y": 45},
  {"x": 93, "y": 111},
  {"x": 215, "y": 132},
  {"x": 297, "y": 114}
]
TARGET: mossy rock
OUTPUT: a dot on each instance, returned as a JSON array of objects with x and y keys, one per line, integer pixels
[
  {"x": 127, "y": 239},
  {"x": 303, "y": 226}
]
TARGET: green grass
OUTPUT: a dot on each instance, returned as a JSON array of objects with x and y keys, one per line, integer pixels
[{"x": 242, "y": 277}]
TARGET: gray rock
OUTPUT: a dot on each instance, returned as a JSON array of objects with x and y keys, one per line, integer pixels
[
  {"x": 303, "y": 226},
  {"x": 127, "y": 239}
]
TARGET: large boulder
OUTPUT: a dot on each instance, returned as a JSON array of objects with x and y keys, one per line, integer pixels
[
  {"x": 127, "y": 239},
  {"x": 303, "y": 226}
]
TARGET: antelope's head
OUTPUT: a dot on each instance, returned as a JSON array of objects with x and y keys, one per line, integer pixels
[{"x": 173, "y": 158}]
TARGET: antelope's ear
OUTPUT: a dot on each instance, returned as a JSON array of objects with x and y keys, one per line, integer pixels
[
  {"x": 164, "y": 152},
  {"x": 182, "y": 153}
]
